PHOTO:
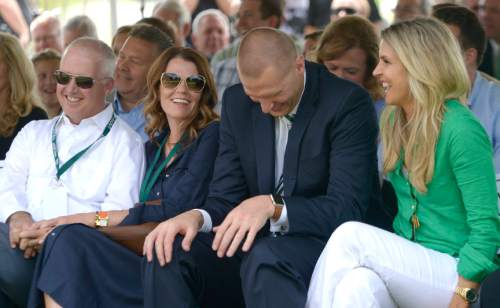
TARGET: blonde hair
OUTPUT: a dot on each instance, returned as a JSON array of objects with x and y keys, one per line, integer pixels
[
  {"x": 22, "y": 90},
  {"x": 436, "y": 72},
  {"x": 202, "y": 114}
]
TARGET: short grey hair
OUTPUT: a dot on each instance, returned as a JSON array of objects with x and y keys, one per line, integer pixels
[
  {"x": 210, "y": 12},
  {"x": 107, "y": 67},
  {"x": 46, "y": 17},
  {"x": 177, "y": 7},
  {"x": 83, "y": 24}
]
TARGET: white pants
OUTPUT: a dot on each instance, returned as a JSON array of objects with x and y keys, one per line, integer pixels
[{"x": 363, "y": 266}]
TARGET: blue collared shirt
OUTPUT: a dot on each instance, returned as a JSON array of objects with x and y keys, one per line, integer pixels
[
  {"x": 484, "y": 102},
  {"x": 134, "y": 118}
]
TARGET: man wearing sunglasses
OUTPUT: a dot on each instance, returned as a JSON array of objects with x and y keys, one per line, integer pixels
[
  {"x": 143, "y": 45},
  {"x": 297, "y": 158},
  {"x": 84, "y": 161}
]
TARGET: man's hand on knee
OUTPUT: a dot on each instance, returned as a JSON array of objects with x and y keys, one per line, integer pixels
[
  {"x": 18, "y": 222},
  {"x": 243, "y": 222},
  {"x": 162, "y": 237}
]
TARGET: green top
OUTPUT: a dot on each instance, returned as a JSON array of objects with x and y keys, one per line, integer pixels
[{"x": 458, "y": 215}]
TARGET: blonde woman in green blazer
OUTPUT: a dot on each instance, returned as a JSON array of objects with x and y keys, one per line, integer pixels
[{"x": 439, "y": 160}]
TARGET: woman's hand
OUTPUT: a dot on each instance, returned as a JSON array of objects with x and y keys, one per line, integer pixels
[{"x": 458, "y": 301}]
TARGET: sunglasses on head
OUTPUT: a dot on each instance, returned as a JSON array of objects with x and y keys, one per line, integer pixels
[
  {"x": 346, "y": 10},
  {"x": 194, "y": 83},
  {"x": 83, "y": 82}
]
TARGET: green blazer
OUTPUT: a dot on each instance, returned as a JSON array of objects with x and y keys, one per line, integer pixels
[{"x": 458, "y": 215}]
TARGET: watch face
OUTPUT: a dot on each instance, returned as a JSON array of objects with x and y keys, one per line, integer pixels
[{"x": 471, "y": 296}]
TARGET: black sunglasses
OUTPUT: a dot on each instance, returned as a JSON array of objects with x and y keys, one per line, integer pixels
[
  {"x": 194, "y": 83},
  {"x": 83, "y": 82},
  {"x": 346, "y": 10}
]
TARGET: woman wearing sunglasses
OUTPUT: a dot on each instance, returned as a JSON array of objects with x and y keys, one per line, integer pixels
[
  {"x": 439, "y": 159},
  {"x": 17, "y": 92},
  {"x": 79, "y": 266}
]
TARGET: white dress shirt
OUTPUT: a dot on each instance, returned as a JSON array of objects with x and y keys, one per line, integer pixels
[
  {"x": 107, "y": 177},
  {"x": 282, "y": 126}
]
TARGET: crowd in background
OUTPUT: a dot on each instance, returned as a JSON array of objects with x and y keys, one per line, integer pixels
[{"x": 343, "y": 36}]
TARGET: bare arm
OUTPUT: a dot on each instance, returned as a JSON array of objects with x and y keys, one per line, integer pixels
[{"x": 11, "y": 13}]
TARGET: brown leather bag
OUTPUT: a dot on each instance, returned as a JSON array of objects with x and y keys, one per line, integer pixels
[{"x": 132, "y": 237}]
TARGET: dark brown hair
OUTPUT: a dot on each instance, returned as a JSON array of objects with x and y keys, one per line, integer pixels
[{"x": 203, "y": 113}]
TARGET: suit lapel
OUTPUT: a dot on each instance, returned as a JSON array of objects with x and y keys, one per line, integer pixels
[
  {"x": 304, "y": 115},
  {"x": 264, "y": 149}
]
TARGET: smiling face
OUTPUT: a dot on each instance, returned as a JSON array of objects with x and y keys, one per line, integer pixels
[
  {"x": 178, "y": 103},
  {"x": 78, "y": 103},
  {"x": 134, "y": 60},
  {"x": 276, "y": 91},
  {"x": 394, "y": 78},
  {"x": 351, "y": 65},
  {"x": 46, "y": 82}
]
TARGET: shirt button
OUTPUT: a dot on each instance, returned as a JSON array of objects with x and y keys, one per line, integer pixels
[
  {"x": 167, "y": 175},
  {"x": 158, "y": 193}
]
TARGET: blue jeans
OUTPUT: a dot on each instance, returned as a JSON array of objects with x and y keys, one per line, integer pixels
[{"x": 15, "y": 273}]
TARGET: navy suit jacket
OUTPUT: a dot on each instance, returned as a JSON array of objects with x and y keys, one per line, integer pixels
[
  {"x": 330, "y": 166},
  {"x": 184, "y": 183}
]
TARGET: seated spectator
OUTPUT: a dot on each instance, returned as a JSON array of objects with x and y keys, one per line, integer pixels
[
  {"x": 485, "y": 93},
  {"x": 142, "y": 47},
  {"x": 46, "y": 63},
  {"x": 119, "y": 38},
  {"x": 311, "y": 41},
  {"x": 210, "y": 32},
  {"x": 184, "y": 134},
  {"x": 410, "y": 9},
  {"x": 167, "y": 28},
  {"x": 349, "y": 49},
  {"x": 85, "y": 160},
  {"x": 176, "y": 12},
  {"x": 251, "y": 14},
  {"x": 46, "y": 33},
  {"x": 341, "y": 8},
  {"x": 228, "y": 7},
  {"x": 17, "y": 91},
  {"x": 439, "y": 160},
  {"x": 13, "y": 21},
  {"x": 78, "y": 26}
]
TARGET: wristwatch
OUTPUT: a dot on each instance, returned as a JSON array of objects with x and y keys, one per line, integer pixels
[
  {"x": 101, "y": 219},
  {"x": 468, "y": 294},
  {"x": 278, "y": 203}
]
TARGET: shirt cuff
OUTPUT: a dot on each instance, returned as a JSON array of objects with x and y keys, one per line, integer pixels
[
  {"x": 207, "y": 221},
  {"x": 281, "y": 225}
]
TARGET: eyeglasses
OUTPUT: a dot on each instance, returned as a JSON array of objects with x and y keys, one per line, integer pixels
[
  {"x": 82, "y": 82},
  {"x": 346, "y": 10},
  {"x": 194, "y": 83}
]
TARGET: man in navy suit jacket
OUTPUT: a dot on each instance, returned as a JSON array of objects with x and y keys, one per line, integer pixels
[{"x": 297, "y": 156}]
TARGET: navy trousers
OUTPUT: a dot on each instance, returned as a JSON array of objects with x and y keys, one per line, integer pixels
[
  {"x": 490, "y": 291},
  {"x": 274, "y": 273},
  {"x": 15, "y": 273}
]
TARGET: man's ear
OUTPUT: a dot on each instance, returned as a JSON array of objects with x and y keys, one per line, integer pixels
[
  {"x": 109, "y": 85},
  {"x": 470, "y": 57},
  {"x": 186, "y": 28},
  {"x": 300, "y": 63}
]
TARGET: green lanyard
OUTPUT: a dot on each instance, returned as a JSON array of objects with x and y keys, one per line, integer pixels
[
  {"x": 72, "y": 160},
  {"x": 150, "y": 178}
]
